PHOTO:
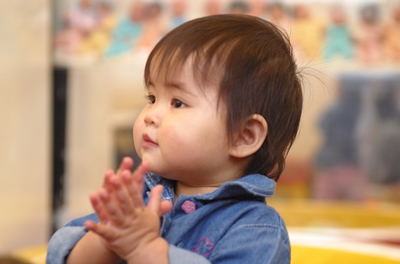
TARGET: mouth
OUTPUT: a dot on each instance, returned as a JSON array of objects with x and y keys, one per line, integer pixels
[{"x": 148, "y": 142}]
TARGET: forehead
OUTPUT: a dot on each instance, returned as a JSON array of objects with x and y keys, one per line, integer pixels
[
  {"x": 189, "y": 74},
  {"x": 174, "y": 66}
]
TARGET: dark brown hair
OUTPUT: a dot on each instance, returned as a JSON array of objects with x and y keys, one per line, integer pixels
[{"x": 253, "y": 62}]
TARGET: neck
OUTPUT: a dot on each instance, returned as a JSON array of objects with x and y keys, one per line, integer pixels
[
  {"x": 191, "y": 189},
  {"x": 197, "y": 183},
  {"x": 182, "y": 188}
]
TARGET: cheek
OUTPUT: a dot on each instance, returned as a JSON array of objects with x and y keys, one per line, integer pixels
[
  {"x": 174, "y": 139},
  {"x": 188, "y": 138},
  {"x": 170, "y": 137},
  {"x": 137, "y": 135}
]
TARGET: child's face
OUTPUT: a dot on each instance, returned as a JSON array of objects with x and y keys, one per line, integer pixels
[
  {"x": 277, "y": 12},
  {"x": 338, "y": 15},
  {"x": 182, "y": 132}
]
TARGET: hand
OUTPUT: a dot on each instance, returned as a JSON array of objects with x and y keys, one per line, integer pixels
[
  {"x": 126, "y": 164},
  {"x": 126, "y": 225}
]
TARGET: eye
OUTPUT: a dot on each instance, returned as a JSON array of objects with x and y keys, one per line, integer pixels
[
  {"x": 151, "y": 98},
  {"x": 177, "y": 103}
]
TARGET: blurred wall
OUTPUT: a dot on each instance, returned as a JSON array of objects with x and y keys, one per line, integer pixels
[{"x": 24, "y": 123}]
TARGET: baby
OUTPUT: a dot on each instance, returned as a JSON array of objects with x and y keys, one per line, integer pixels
[
  {"x": 338, "y": 41},
  {"x": 224, "y": 107},
  {"x": 369, "y": 36}
]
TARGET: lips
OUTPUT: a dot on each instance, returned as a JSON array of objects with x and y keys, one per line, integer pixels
[{"x": 148, "y": 142}]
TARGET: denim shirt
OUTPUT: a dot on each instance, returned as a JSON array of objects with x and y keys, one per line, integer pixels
[{"x": 231, "y": 225}]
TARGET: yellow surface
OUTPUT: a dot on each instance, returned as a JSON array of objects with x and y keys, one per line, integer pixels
[
  {"x": 300, "y": 255},
  {"x": 307, "y": 213},
  {"x": 311, "y": 255},
  {"x": 34, "y": 255}
]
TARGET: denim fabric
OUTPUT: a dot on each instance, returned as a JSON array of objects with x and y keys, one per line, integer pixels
[
  {"x": 62, "y": 242},
  {"x": 230, "y": 225}
]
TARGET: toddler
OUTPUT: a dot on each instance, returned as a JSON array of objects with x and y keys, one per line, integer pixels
[
  {"x": 224, "y": 107},
  {"x": 338, "y": 40},
  {"x": 369, "y": 36}
]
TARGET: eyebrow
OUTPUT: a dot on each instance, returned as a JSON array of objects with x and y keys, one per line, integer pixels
[
  {"x": 174, "y": 85},
  {"x": 179, "y": 86}
]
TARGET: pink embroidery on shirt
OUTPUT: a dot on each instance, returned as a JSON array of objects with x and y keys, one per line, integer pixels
[
  {"x": 204, "y": 247},
  {"x": 188, "y": 206}
]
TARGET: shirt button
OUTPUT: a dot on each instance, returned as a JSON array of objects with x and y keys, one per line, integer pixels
[
  {"x": 180, "y": 245},
  {"x": 188, "y": 206}
]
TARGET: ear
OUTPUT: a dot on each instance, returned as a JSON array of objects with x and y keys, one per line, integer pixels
[{"x": 250, "y": 137}]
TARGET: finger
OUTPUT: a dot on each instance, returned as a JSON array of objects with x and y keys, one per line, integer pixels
[
  {"x": 139, "y": 174},
  {"x": 98, "y": 208},
  {"x": 107, "y": 175},
  {"x": 166, "y": 206},
  {"x": 108, "y": 185},
  {"x": 113, "y": 211},
  {"x": 104, "y": 231},
  {"x": 134, "y": 183},
  {"x": 133, "y": 191},
  {"x": 90, "y": 225},
  {"x": 126, "y": 164},
  {"x": 122, "y": 195},
  {"x": 154, "y": 203}
]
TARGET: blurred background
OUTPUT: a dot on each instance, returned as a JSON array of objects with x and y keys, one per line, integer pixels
[{"x": 71, "y": 86}]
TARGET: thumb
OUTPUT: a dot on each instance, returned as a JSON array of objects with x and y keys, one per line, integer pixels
[
  {"x": 154, "y": 203},
  {"x": 166, "y": 206}
]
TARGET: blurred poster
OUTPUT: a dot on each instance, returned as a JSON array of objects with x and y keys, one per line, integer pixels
[{"x": 95, "y": 30}]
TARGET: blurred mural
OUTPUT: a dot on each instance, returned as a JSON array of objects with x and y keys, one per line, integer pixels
[{"x": 365, "y": 32}]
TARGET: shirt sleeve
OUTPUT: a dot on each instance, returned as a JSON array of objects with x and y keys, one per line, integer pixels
[
  {"x": 62, "y": 242},
  {"x": 182, "y": 256}
]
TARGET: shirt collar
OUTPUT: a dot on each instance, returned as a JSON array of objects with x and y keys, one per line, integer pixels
[{"x": 256, "y": 185}]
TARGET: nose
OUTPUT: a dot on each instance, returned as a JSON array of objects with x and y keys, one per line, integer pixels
[{"x": 153, "y": 115}]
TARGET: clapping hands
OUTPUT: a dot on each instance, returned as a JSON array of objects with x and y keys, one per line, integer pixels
[{"x": 128, "y": 227}]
